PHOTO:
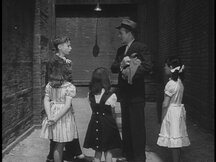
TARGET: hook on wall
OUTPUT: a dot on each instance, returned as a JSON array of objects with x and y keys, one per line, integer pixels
[
  {"x": 96, "y": 48},
  {"x": 98, "y": 8}
]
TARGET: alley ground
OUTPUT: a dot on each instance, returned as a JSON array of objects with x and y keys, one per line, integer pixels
[{"x": 35, "y": 149}]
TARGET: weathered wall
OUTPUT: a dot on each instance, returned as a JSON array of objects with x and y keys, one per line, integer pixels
[
  {"x": 25, "y": 43},
  {"x": 147, "y": 17},
  {"x": 185, "y": 29},
  {"x": 17, "y": 52},
  {"x": 41, "y": 42}
]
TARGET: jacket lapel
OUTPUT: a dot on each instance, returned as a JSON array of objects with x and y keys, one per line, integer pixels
[{"x": 128, "y": 53}]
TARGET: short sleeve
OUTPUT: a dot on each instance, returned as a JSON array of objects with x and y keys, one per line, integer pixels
[
  {"x": 170, "y": 88},
  {"x": 112, "y": 100},
  {"x": 71, "y": 91},
  {"x": 47, "y": 90}
]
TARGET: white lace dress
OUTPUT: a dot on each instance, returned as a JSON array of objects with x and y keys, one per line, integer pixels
[
  {"x": 65, "y": 129},
  {"x": 173, "y": 132}
]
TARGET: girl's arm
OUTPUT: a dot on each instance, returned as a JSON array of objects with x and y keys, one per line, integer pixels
[
  {"x": 88, "y": 98},
  {"x": 47, "y": 106},
  {"x": 70, "y": 93},
  {"x": 47, "y": 101},
  {"x": 165, "y": 105},
  {"x": 64, "y": 110},
  {"x": 115, "y": 67},
  {"x": 112, "y": 100}
]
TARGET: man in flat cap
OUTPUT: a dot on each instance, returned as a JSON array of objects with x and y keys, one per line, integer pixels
[{"x": 132, "y": 94}]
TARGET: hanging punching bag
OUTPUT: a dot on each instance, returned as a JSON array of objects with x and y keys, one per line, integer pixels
[{"x": 96, "y": 49}]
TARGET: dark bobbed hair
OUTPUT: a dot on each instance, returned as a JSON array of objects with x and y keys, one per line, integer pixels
[
  {"x": 59, "y": 40},
  {"x": 175, "y": 61},
  {"x": 100, "y": 79},
  {"x": 58, "y": 72}
]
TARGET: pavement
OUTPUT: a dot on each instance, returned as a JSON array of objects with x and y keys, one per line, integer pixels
[{"x": 35, "y": 149}]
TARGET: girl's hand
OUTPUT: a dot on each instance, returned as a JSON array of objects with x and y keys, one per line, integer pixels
[
  {"x": 51, "y": 122},
  {"x": 162, "y": 117},
  {"x": 164, "y": 111}
]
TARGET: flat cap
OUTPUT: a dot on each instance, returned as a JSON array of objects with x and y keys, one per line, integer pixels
[{"x": 127, "y": 24}]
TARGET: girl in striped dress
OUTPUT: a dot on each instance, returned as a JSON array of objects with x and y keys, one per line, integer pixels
[{"x": 59, "y": 125}]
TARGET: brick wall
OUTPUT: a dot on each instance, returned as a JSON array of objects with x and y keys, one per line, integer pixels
[
  {"x": 184, "y": 29},
  {"x": 17, "y": 51},
  {"x": 40, "y": 55},
  {"x": 147, "y": 18},
  {"x": 25, "y": 44}
]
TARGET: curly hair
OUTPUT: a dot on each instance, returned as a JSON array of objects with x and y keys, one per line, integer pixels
[
  {"x": 100, "y": 79},
  {"x": 60, "y": 40},
  {"x": 58, "y": 72},
  {"x": 175, "y": 61}
]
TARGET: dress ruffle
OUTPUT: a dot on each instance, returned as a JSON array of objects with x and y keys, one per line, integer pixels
[
  {"x": 173, "y": 132},
  {"x": 173, "y": 142}
]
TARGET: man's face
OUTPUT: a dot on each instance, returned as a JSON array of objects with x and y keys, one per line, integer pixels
[
  {"x": 123, "y": 35},
  {"x": 65, "y": 48}
]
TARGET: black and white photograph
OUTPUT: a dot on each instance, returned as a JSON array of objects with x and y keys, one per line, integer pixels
[{"x": 108, "y": 81}]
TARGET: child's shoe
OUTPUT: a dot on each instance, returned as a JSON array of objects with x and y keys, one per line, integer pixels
[
  {"x": 50, "y": 160},
  {"x": 82, "y": 158}
]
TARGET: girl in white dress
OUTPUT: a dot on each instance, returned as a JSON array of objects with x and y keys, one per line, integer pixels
[{"x": 173, "y": 133}]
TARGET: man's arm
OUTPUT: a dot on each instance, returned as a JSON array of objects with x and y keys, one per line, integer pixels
[
  {"x": 146, "y": 63},
  {"x": 115, "y": 67}
]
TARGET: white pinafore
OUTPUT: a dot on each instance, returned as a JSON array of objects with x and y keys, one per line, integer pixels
[{"x": 173, "y": 132}]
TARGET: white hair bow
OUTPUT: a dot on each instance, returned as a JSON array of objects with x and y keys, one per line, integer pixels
[{"x": 179, "y": 68}]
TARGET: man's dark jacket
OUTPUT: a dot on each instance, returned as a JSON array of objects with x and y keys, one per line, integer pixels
[{"x": 134, "y": 93}]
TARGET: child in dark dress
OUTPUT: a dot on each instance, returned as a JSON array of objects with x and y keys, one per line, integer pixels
[{"x": 102, "y": 133}]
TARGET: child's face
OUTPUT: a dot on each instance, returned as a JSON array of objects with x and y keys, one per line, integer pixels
[
  {"x": 65, "y": 48},
  {"x": 167, "y": 69}
]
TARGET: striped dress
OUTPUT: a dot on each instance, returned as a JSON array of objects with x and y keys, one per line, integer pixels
[{"x": 65, "y": 129}]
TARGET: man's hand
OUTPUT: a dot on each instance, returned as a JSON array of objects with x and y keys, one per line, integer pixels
[
  {"x": 125, "y": 61},
  {"x": 68, "y": 61}
]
